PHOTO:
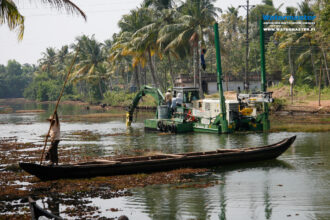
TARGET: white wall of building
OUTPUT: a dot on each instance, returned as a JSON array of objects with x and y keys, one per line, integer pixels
[{"x": 232, "y": 86}]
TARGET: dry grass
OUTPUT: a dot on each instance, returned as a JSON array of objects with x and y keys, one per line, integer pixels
[
  {"x": 303, "y": 123},
  {"x": 300, "y": 127}
]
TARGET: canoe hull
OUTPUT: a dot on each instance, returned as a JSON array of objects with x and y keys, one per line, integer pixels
[{"x": 140, "y": 165}]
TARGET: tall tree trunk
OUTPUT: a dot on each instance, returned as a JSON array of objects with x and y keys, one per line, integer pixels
[
  {"x": 193, "y": 67},
  {"x": 324, "y": 75},
  {"x": 137, "y": 80},
  {"x": 312, "y": 60},
  {"x": 132, "y": 82},
  {"x": 197, "y": 71},
  {"x": 89, "y": 93},
  {"x": 201, "y": 94},
  {"x": 158, "y": 75},
  {"x": 81, "y": 91},
  {"x": 211, "y": 57},
  {"x": 140, "y": 73},
  {"x": 164, "y": 80},
  {"x": 290, "y": 62},
  {"x": 326, "y": 64},
  {"x": 171, "y": 70},
  {"x": 124, "y": 74},
  {"x": 110, "y": 83},
  {"x": 86, "y": 89},
  {"x": 100, "y": 88},
  {"x": 152, "y": 70},
  {"x": 292, "y": 73},
  {"x": 144, "y": 70},
  {"x": 320, "y": 77},
  {"x": 226, "y": 75}
]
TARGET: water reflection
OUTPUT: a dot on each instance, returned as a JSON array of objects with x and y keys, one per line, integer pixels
[
  {"x": 267, "y": 201},
  {"x": 222, "y": 214},
  {"x": 243, "y": 195},
  {"x": 296, "y": 185}
]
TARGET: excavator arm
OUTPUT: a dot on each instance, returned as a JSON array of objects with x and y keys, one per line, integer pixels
[{"x": 155, "y": 93}]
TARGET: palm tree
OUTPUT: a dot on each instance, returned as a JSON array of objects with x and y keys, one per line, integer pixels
[
  {"x": 135, "y": 42},
  {"x": 116, "y": 58},
  {"x": 304, "y": 45},
  {"x": 268, "y": 2},
  {"x": 90, "y": 56},
  {"x": 61, "y": 60},
  {"x": 322, "y": 33},
  {"x": 231, "y": 35},
  {"x": 10, "y": 15},
  {"x": 107, "y": 45},
  {"x": 48, "y": 61},
  {"x": 290, "y": 11},
  {"x": 232, "y": 19},
  {"x": 304, "y": 9},
  {"x": 191, "y": 28},
  {"x": 158, "y": 4},
  {"x": 145, "y": 40},
  {"x": 169, "y": 16}
]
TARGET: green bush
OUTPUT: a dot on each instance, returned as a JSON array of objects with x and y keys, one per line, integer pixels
[
  {"x": 278, "y": 104},
  {"x": 43, "y": 90},
  {"x": 30, "y": 92},
  {"x": 120, "y": 98}
]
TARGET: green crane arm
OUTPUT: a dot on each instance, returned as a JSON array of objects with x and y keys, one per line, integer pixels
[
  {"x": 222, "y": 117},
  {"x": 155, "y": 93}
]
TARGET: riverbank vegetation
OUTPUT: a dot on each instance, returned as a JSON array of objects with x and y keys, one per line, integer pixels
[{"x": 159, "y": 40}]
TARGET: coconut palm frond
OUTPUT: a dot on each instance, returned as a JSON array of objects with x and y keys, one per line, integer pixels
[
  {"x": 91, "y": 70},
  {"x": 9, "y": 14},
  {"x": 286, "y": 43},
  {"x": 146, "y": 29},
  {"x": 67, "y": 5},
  {"x": 303, "y": 57}
]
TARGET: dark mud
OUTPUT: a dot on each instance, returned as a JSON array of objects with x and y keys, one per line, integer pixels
[{"x": 16, "y": 185}]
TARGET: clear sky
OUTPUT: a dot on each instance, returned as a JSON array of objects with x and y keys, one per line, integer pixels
[{"x": 45, "y": 27}]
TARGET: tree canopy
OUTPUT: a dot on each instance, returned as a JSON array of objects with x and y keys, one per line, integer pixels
[{"x": 162, "y": 39}]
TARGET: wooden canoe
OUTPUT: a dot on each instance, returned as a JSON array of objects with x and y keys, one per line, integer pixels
[
  {"x": 161, "y": 162},
  {"x": 37, "y": 211}
]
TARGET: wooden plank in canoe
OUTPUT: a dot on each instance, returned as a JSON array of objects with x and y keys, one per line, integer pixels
[
  {"x": 172, "y": 155},
  {"x": 228, "y": 150},
  {"x": 98, "y": 161}
]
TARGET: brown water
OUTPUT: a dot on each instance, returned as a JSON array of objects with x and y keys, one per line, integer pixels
[{"x": 296, "y": 186}]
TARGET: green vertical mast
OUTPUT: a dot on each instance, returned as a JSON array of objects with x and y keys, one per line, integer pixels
[
  {"x": 223, "y": 120},
  {"x": 265, "y": 120}
]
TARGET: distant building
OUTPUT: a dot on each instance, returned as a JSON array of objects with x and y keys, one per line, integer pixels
[{"x": 209, "y": 82}]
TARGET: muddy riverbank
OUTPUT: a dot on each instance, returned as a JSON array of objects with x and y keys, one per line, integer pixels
[{"x": 302, "y": 107}]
